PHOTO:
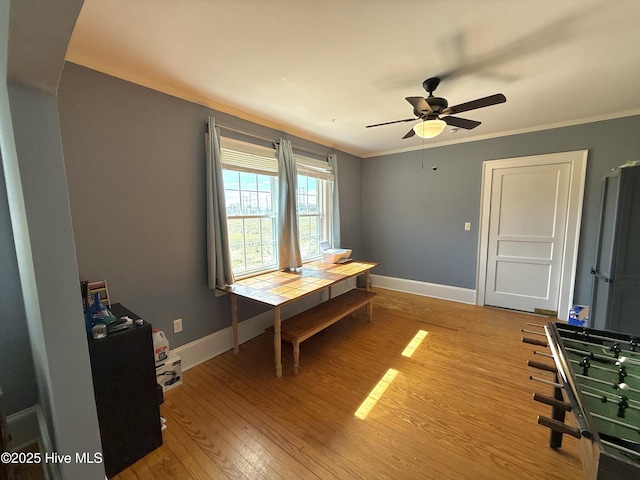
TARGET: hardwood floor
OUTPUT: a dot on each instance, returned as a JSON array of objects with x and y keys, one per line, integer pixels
[{"x": 459, "y": 408}]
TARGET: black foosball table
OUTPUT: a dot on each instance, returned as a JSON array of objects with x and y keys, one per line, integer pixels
[{"x": 596, "y": 378}]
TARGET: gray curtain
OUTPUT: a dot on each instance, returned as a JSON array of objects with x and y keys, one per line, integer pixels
[
  {"x": 219, "y": 259},
  {"x": 289, "y": 244},
  {"x": 335, "y": 200}
]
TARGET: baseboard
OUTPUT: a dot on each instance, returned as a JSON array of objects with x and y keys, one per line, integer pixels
[
  {"x": 205, "y": 348},
  {"x": 27, "y": 427},
  {"x": 434, "y": 290},
  {"x": 24, "y": 428}
]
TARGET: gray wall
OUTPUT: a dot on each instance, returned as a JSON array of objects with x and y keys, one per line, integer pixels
[
  {"x": 413, "y": 218},
  {"x": 135, "y": 163},
  {"x": 17, "y": 377}
]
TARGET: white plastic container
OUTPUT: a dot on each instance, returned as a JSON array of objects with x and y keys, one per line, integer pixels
[{"x": 160, "y": 347}]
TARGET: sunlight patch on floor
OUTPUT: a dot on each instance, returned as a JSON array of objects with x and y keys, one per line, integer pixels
[
  {"x": 414, "y": 343},
  {"x": 375, "y": 394},
  {"x": 385, "y": 381}
]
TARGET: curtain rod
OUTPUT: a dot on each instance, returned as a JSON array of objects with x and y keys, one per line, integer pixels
[{"x": 270, "y": 140}]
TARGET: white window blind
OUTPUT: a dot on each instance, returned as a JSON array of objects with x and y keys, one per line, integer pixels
[
  {"x": 311, "y": 167},
  {"x": 246, "y": 157}
]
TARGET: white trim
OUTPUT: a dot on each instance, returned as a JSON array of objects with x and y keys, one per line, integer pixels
[
  {"x": 205, "y": 348},
  {"x": 435, "y": 290},
  {"x": 578, "y": 160},
  {"x": 44, "y": 443},
  {"x": 24, "y": 428},
  {"x": 28, "y": 426},
  {"x": 443, "y": 142}
]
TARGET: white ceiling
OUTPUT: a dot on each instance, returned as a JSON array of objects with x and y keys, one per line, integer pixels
[{"x": 324, "y": 69}]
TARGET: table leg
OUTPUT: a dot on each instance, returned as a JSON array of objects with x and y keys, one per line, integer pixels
[
  {"x": 277, "y": 341},
  {"x": 234, "y": 322},
  {"x": 366, "y": 287},
  {"x": 296, "y": 357}
]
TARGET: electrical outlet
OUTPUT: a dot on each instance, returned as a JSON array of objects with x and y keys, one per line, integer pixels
[
  {"x": 467, "y": 225},
  {"x": 177, "y": 325}
]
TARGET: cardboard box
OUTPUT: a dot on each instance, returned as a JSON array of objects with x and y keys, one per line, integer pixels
[
  {"x": 579, "y": 315},
  {"x": 169, "y": 375}
]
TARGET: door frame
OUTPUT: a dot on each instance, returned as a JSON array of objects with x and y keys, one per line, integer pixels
[{"x": 578, "y": 161}]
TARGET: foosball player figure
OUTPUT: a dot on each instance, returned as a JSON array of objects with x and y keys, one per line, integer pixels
[
  {"x": 623, "y": 404},
  {"x": 622, "y": 373},
  {"x": 585, "y": 364}
]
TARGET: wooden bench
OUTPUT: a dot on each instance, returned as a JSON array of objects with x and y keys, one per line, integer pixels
[{"x": 306, "y": 324}]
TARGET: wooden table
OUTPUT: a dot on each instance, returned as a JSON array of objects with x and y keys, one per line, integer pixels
[{"x": 282, "y": 287}]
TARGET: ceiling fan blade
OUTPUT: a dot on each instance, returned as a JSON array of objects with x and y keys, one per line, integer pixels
[
  {"x": 461, "y": 122},
  {"x": 409, "y": 134},
  {"x": 474, "y": 104},
  {"x": 419, "y": 104},
  {"x": 389, "y": 123}
]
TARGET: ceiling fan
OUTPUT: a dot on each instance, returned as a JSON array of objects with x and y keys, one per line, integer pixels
[{"x": 430, "y": 110}]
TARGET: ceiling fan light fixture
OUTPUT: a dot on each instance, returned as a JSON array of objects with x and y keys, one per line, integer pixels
[{"x": 429, "y": 128}]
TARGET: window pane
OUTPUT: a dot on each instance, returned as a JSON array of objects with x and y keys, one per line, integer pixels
[
  {"x": 268, "y": 229},
  {"x": 252, "y": 231},
  {"x": 236, "y": 234},
  {"x": 248, "y": 181},
  {"x": 312, "y": 204},
  {"x": 231, "y": 179},
  {"x": 312, "y": 186},
  {"x": 232, "y": 200},
  {"x": 265, "y": 201},
  {"x": 237, "y": 258},
  {"x": 264, "y": 183}
]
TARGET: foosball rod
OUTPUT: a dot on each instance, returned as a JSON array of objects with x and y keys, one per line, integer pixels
[
  {"x": 601, "y": 337},
  {"x": 616, "y": 422},
  {"x": 605, "y": 369},
  {"x": 546, "y": 382},
  {"x": 601, "y": 392},
  {"x": 542, "y": 334},
  {"x": 628, "y": 451},
  {"x": 593, "y": 356},
  {"x": 612, "y": 400},
  {"x": 603, "y": 347},
  {"x": 620, "y": 386},
  {"x": 542, "y": 354}
]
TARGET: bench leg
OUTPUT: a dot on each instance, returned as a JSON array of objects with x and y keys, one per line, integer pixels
[
  {"x": 367, "y": 280},
  {"x": 296, "y": 357},
  {"x": 277, "y": 341}
]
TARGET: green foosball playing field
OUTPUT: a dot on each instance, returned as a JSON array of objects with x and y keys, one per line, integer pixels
[{"x": 597, "y": 379}]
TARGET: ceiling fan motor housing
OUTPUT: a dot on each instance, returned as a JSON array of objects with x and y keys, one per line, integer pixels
[{"x": 437, "y": 104}]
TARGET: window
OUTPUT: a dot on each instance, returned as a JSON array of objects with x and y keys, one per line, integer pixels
[
  {"x": 250, "y": 190},
  {"x": 251, "y": 196},
  {"x": 315, "y": 185}
]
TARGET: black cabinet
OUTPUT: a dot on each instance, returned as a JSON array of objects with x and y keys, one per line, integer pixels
[
  {"x": 124, "y": 382},
  {"x": 615, "y": 300}
]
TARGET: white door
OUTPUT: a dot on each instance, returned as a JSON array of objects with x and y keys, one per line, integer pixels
[{"x": 527, "y": 222}]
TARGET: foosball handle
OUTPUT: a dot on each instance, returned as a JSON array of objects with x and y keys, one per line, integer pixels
[
  {"x": 559, "y": 427},
  {"x": 542, "y": 366},
  {"x": 552, "y": 402},
  {"x": 533, "y": 341}
]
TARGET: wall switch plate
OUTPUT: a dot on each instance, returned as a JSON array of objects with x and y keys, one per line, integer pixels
[
  {"x": 467, "y": 225},
  {"x": 177, "y": 325}
]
